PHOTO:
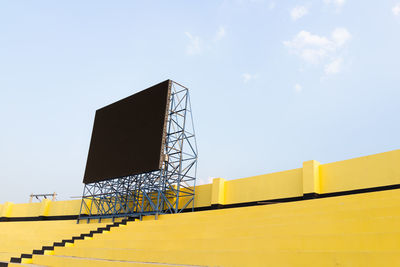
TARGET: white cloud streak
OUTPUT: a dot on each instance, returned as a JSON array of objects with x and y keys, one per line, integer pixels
[
  {"x": 194, "y": 46},
  {"x": 340, "y": 36},
  {"x": 396, "y": 9},
  {"x": 298, "y": 88},
  {"x": 334, "y": 67},
  {"x": 197, "y": 45},
  {"x": 298, "y": 12},
  {"x": 315, "y": 49},
  {"x": 202, "y": 181},
  {"x": 271, "y": 5},
  {"x": 248, "y": 77},
  {"x": 220, "y": 33},
  {"x": 337, "y": 3}
]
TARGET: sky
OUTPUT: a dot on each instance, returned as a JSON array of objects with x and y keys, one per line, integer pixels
[{"x": 272, "y": 83}]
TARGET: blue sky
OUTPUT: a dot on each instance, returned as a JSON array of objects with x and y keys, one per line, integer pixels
[{"x": 273, "y": 83}]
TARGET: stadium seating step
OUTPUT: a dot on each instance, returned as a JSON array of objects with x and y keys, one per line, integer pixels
[
  {"x": 38, "y": 251},
  {"x": 88, "y": 261},
  {"x": 27, "y": 258},
  {"x": 13, "y": 264},
  {"x": 47, "y": 248}
]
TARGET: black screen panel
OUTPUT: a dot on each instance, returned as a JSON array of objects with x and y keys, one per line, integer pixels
[{"x": 128, "y": 135}]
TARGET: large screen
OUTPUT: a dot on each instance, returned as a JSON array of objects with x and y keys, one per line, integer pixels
[{"x": 128, "y": 135}]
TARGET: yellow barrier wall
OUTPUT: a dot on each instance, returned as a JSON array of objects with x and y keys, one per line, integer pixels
[
  {"x": 67, "y": 207},
  {"x": 25, "y": 210},
  {"x": 365, "y": 172},
  {"x": 353, "y": 230},
  {"x": 203, "y": 195},
  {"x": 262, "y": 187},
  {"x": 6, "y": 211},
  {"x": 202, "y": 199}
]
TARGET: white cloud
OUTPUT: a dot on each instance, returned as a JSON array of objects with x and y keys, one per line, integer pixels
[
  {"x": 337, "y": 3},
  {"x": 220, "y": 33},
  {"x": 298, "y": 88},
  {"x": 310, "y": 47},
  {"x": 197, "y": 45},
  {"x": 271, "y": 5},
  {"x": 334, "y": 67},
  {"x": 201, "y": 181},
  {"x": 298, "y": 12},
  {"x": 194, "y": 46},
  {"x": 396, "y": 9},
  {"x": 248, "y": 77},
  {"x": 241, "y": 2},
  {"x": 340, "y": 36},
  {"x": 315, "y": 49}
]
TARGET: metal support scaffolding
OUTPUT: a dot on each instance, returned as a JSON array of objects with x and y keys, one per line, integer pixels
[{"x": 168, "y": 190}]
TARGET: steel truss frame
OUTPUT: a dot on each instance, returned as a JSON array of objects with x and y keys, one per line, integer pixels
[{"x": 170, "y": 189}]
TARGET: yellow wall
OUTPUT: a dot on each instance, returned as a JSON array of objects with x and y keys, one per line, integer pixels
[
  {"x": 262, "y": 187},
  {"x": 203, "y": 195},
  {"x": 352, "y": 230},
  {"x": 25, "y": 210},
  {"x": 364, "y": 172},
  {"x": 6, "y": 210},
  {"x": 370, "y": 171},
  {"x": 67, "y": 207}
]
